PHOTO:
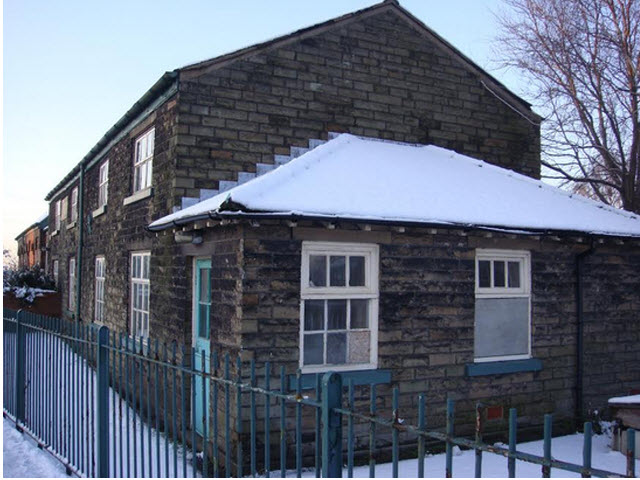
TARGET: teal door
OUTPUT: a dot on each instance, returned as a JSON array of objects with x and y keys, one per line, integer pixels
[{"x": 201, "y": 338}]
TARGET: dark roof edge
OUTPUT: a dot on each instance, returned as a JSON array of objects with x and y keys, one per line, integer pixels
[
  {"x": 165, "y": 81},
  {"x": 391, "y": 223},
  {"x": 512, "y": 99}
]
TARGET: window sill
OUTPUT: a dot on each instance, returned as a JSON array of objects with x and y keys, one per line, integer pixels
[
  {"x": 500, "y": 368},
  {"x": 71, "y": 225},
  {"x": 99, "y": 211},
  {"x": 55, "y": 232},
  {"x": 139, "y": 195},
  {"x": 359, "y": 377}
]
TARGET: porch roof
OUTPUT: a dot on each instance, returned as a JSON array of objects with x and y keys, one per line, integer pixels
[{"x": 363, "y": 179}]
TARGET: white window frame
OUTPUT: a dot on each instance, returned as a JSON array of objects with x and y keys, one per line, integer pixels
[
  {"x": 370, "y": 291},
  {"x": 143, "y": 160},
  {"x": 64, "y": 209},
  {"x": 523, "y": 257},
  {"x": 74, "y": 204},
  {"x": 58, "y": 215},
  {"x": 55, "y": 267},
  {"x": 103, "y": 184},
  {"x": 100, "y": 277},
  {"x": 72, "y": 283},
  {"x": 144, "y": 333}
]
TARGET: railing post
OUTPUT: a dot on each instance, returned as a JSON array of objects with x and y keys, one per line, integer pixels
[
  {"x": 331, "y": 425},
  {"x": 20, "y": 371},
  {"x": 631, "y": 452},
  {"x": 103, "y": 403},
  {"x": 449, "y": 446}
]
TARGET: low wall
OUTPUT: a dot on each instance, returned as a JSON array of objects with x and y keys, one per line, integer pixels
[{"x": 49, "y": 304}]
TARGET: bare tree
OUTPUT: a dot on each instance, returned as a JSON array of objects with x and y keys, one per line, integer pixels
[{"x": 582, "y": 60}]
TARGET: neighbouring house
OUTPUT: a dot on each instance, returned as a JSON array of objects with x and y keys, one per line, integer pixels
[
  {"x": 32, "y": 244},
  {"x": 355, "y": 196}
]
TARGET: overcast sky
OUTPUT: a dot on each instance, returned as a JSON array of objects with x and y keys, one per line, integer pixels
[{"x": 72, "y": 68}]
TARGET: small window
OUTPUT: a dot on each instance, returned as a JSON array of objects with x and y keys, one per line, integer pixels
[
  {"x": 339, "y": 308},
  {"x": 143, "y": 160},
  {"x": 55, "y": 272},
  {"x": 502, "y": 308},
  {"x": 72, "y": 283},
  {"x": 99, "y": 298},
  {"x": 140, "y": 264},
  {"x": 57, "y": 215},
  {"x": 64, "y": 209},
  {"x": 103, "y": 184},
  {"x": 74, "y": 205}
]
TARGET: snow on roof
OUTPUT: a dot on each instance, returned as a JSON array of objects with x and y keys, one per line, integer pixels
[
  {"x": 367, "y": 179},
  {"x": 630, "y": 399}
]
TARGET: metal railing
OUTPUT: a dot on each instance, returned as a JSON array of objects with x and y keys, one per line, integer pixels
[{"x": 107, "y": 405}]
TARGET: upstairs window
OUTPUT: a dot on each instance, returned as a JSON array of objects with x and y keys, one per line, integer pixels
[
  {"x": 103, "y": 184},
  {"x": 99, "y": 294},
  {"x": 140, "y": 294},
  {"x": 64, "y": 208},
  {"x": 502, "y": 307},
  {"x": 143, "y": 160},
  {"x": 55, "y": 272},
  {"x": 339, "y": 308},
  {"x": 72, "y": 283},
  {"x": 74, "y": 204}
]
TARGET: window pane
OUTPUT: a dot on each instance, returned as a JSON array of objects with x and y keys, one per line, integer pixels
[
  {"x": 150, "y": 143},
  {"x": 145, "y": 295},
  {"x": 134, "y": 295},
  {"x": 501, "y": 327},
  {"x": 313, "y": 348},
  {"x": 337, "y": 348},
  {"x": 313, "y": 315},
  {"x": 145, "y": 266},
  {"x": 204, "y": 285},
  {"x": 134, "y": 266},
  {"x": 149, "y": 172},
  {"x": 514, "y": 274},
  {"x": 337, "y": 271},
  {"x": 356, "y": 271},
  {"x": 359, "y": 351},
  {"x": 359, "y": 314},
  {"x": 203, "y": 316},
  {"x": 498, "y": 274},
  {"x": 317, "y": 271},
  {"x": 337, "y": 314},
  {"x": 484, "y": 274}
]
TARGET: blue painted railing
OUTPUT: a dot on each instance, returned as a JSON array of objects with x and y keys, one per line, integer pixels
[{"x": 107, "y": 405}]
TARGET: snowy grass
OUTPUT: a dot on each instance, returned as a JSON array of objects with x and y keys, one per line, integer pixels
[
  {"x": 22, "y": 458},
  {"x": 136, "y": 448}
]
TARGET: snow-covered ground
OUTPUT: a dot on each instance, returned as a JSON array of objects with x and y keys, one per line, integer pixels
[
  {"x": 22, "y": 458},
  {"x": 567, "y": 448},
  {"x": 131, "y": 456}
]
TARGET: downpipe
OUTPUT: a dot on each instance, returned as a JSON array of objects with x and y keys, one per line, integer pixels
[{"x": 580, "y": 260}]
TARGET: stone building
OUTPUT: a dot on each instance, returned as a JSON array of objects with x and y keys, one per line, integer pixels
[
  {"x": 207, "y": 132},
  {"x": 32, "y": 244}
]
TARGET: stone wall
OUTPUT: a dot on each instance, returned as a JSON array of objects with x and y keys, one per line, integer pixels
[
  {"x": 121, "y": 229},
  {"x": 612, "y": 325},
  {"x": 426, "y": 322},
  {"x": 376, "y": 77}
]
